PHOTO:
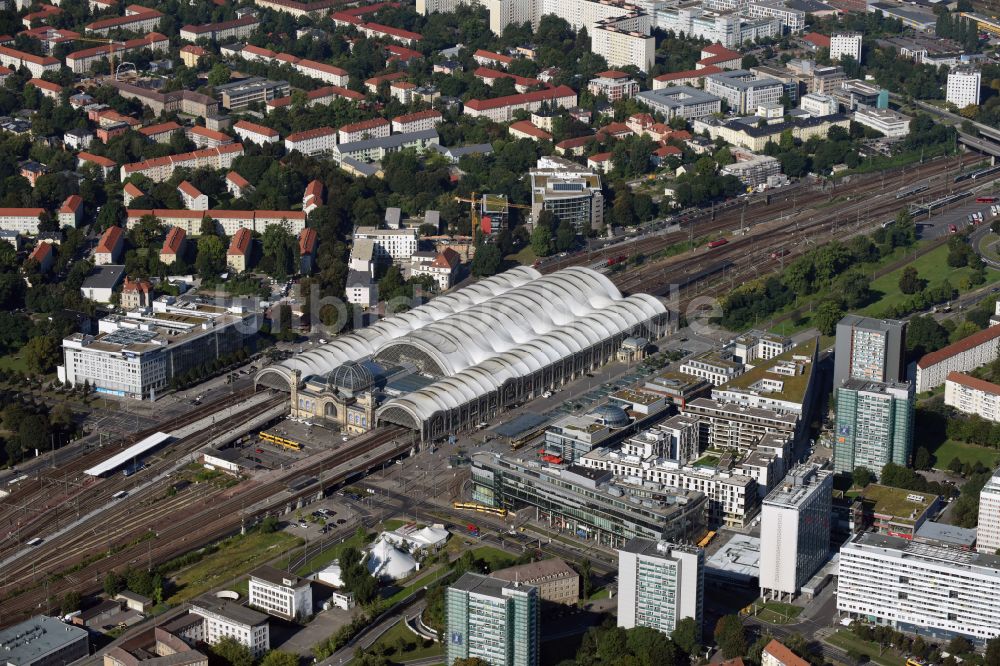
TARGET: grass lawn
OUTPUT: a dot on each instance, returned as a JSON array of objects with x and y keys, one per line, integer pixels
[
  {"x": 321, "y": 560},
  {"x": 423, "y": 581},
  {"x": 494, "y": 557},
  {"x": 989, "y": 246},
  {"x": 776, "y": 612},
  {"x": 932, "y": 267},
  {"x": 969, "y": 453},
  {"x": 14, "y": 363},
  {"x": 235, "y": 557},
  {"x": 602, "y": 593},
  {"x": 846, "y": 640},
  {"x": 390, "y": 640},
  {"x": 525, "y": 257}
]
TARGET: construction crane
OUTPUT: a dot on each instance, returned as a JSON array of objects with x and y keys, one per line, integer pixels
[
  {"x": 475, "y": 204},
  {"x": 111, "y": 52}
]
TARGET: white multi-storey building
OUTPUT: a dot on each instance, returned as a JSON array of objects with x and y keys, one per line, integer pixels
[
  {"x": 988, "y": 528},
  {"x": 227, "y": 619},
  {"x": 160, "y": 169},
  {"x": 228, "y": 221},
  {"x": 743, "y": 91},
  {"x": 892, "y": 124},
  {"x": 389, "y": 244},
  {"x": 21, "y": 220},
  {"x": 714, "y": 367},
  {"x": 845, "y": 44},
  {"x": 792, "y": 20},
  {"x": 818, "y": 105},
  {"x": 971, "y": 395},
  {"x": 795, "y": 531},
  {"x": 924, "y": 588},
  {"x": 625, "y": 40},
  {"x": 963, "y": 86},
  {"x": 965, "y": 355},
  {"x": 318, "y": 141},
  {"x": 568, "y": 191},
  {"x": 420, "y": 121},
  {"x": 280, "y": 593},
  {"x": 660, "y": 584},
  {"x": 259, "y": 134}
]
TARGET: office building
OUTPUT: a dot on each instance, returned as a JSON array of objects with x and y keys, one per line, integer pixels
[
  {"x": 493, "y": 620},
  {"x": 394, "y": 245},
  {"x": 556, "y": 581},
  {"x": 43, "y": 641},
  {"x": 963, "y": 86},
  {"x": 754, "y": 171},
  {"x": 227, "y": 619},
  {"x": 966, "y": 355},
  {"x": 818, "y": 105},
  {"x": 988, "y": 528},
  {"x": 892, "y": 124},
  {"x": 613, "y": 84},
  {"x": 742, "y": 91},
  {"x": 874, "y": 425},
  {"x": 280, "y": 593},
  {"x": 795, "y": 531},
  {"x": 136, "y": 355},
  {"x": 845, "y": 44},
  {"x": 569, "y": 191},
  {"x": 239, "y": 95},
  {"x": 925, "y": 587},
  {"x": 587, "y": 502},
  {"x": 660, "y": 584},
  {"x": 681, "y": 101},
  {"x": 871, "y": 349}
]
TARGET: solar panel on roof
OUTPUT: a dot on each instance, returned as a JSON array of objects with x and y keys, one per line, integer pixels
[{"x": 129, "y": 336}]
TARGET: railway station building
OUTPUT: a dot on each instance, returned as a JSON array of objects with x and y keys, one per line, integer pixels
[{"x": 467, "y": 356}]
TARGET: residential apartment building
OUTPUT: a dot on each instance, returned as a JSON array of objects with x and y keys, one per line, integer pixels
[
  {"x": 845, "y": 44},
  {"x": 792, "y": 20},
  {"x": 730, "y": 426},
  {"x": 71, "y": 211},
  {"x": 717, "y": 368},
  {"x": 743, "y": 91},
  {"x": 192, "y": 197},
  {"x": 557, "y": 582},
  {"x": 110, "y": 247},
  {"x": 312, "y": 197},
  {"x": 21, "y": 220},
  {"x": 681, "y": 101},
  {"x": 493, "y": 620},
  {"x": 416, "y": 122},
  {"x": 237, "y": 185},
  {"x": 35, "y": 64},
  {"x": 795, "y": 531},
  {"x": 613, "y": 84},
  {"x": 963, "y": 86},
  {"x": 204, "y": 137},
  {"x": 568, "y": 191},
  {"x": 239, "y": 28},
  {"x": 988, "y": 527},
  {"x": 161, "y": 132},
  {"x": 660, "y": 584},
  {"x": 160, "y": 169},
  {"x": 871, "y": 349},
  {"x": 81, "y": 61},
  {"x": 173, "y": 246},
  {"x": 971, "y": 395},
  {"x": 442, "y": 268},
  {"x": 136, "y": 19},
  {"x": 389, "y": 244},
  {"x": 755, "y": 137},
  {"x": 777, "y": 654},
  {"x": 759, "y": 345},
  {"x": 624, "y": 41},
  {"x": 258, "y": 134},
  {"x": 375, "y": 128},
  {"x": 135, "y": 356},
  {"x": 280, "y": 593},
  {"x": 501, "y": 109},
  {"x": 227, "y": 221},
  {"x": 227, "y": 619},
  {"x": 923, "y": 588},
  {"x": 318, "y": 141},
  {"x": 967, "y": 354},
  {"x": 874, "y": 425}
]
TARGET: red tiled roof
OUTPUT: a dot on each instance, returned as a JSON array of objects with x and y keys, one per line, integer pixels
[
  {"x": 963, "y": 345},
  {"x": 688, "y": 74},
  {"x": 487, "y": 73},
  {"x": 96, "y": 159},
  {"x": 511, "y": 100},
  {"x": 237, "y": 180},
  {"x": 307, "y": 241},
  {"x": 365, "y": 125},
  {"x": 161, "y": 128},
  {"x": 395, "y": 32},
  {"x": 402, "y": 53},
  {"x": 367, "y": 9},
  {"x": 118, "y": 47},
  {"x": 28, "y": 57},
  {"x": 168, "y": 213},
  {"x": 241, "y": 242},
  {"x": 321, "y": 66},
  {"x": 41, "y": 251},
  {"x": 45, "y": 85},
  {"x": 255, "y": 128},
  {"x": 615, "y": 129},
  {"x": 110, "y": 239},
  {"x": 314, "y": 189},
  {"x": 116, "y": 21},
  {"x": 377, "y": 80},
  {"x": 191, "y": 48},
  {"x": 72, "y": 204},
  {"x": 189, "y": 189},
  {"x": 784, "y": 655},
  {"x": 21, "y": 212},
  {"x": 257, "y": 50},
  {"x": 527, "y": 127},
  {"x": 132, "y": 190},
  {"x": 447, "y": 258},
  {"x": 816, "y": 39},
  {"x": 611, "y": 74},
  {"x": 493, "y": 56},
  {"x": 419, "y": 115},
  {"x": 247, "y": 19},
  {"x": 209, "y": 133},
  {"x": 718, "y": 49},
  {"x": 403, "y": 85},
  {"x": 600, "y": 157},
  {"x": 973, "y": 382},
  {"x": 577, "y": 142},
  {"x": 137, "y": 285},
  {"x": 174, "y": 241},
  {"x": 310, "y": 134},
  {"x": 183, "y": 157}
]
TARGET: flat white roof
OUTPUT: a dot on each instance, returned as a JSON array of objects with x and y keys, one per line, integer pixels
[{"x": 119, "y": 459}]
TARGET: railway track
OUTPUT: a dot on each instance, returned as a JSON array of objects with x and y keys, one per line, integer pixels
[
  {"x": 147, "y": 534},
  {"x": 755, "y": 211},
  {"x": 750, "y": 255}
]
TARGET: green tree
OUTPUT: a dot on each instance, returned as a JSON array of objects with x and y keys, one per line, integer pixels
[
  {"x": 651, "y": 647},
  {"x": 862, "y": 477},
  {"x": 211, "y": 259},
  {"x": 41, "y": 354},
  {"x": 278, "y": 251},
  {"x": 486, "y": 261},
  {"x": 146, "y": 232},
  {"x": 730, "y": 636},
  {"x": 826, "y": 317},
  {"x": 922, "y": 458},
  {"x": 218, "y": 75},
  {"x": 69, "y": 603},
  {"x": 279, "y": 658},
  {"x": 910, "y": 282},
  {"x": 924, "y": 335},
  {"x": 113, "y": 584},
  {"x": 686, "y": 636},
  {"x": 565, "y": 236},
  {"x": 541, "y": 240},
  {"x": 232, "y": 652}
]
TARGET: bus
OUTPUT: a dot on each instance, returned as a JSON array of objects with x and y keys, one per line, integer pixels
[
  {"x": 480, "y": 508},
  {"x": 280, "y": 441}
]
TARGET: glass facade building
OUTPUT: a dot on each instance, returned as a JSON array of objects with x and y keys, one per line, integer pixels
[
  {"x": 492, "y": 619},
  {"x": 874, "y": 425}
]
